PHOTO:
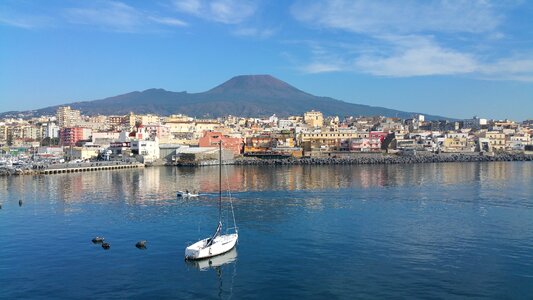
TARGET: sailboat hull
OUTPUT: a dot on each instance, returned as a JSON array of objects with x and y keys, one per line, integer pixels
[{"x": 220, "y": 245}]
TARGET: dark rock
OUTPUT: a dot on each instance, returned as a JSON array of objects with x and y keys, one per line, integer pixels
[
  {"x": 141, "y": 244},
  {"x": 98, "y": 240}
]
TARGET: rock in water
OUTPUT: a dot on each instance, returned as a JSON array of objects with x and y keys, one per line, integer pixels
[
  {"x": 106, "y": 246},
  {"x": 141, "y": 244},
  {"x": 98, "y": 240}
]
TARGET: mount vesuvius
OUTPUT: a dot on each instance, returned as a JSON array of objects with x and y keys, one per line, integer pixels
[{"x": 245, "y": 95}]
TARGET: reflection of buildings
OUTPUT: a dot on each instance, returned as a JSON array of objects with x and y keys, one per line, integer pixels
[{"x": 161, "y": 183}]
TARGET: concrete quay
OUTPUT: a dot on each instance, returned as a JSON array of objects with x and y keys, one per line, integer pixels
[
  {"x": 76, "y": 169},
  {"x": 70, "y": 168}
]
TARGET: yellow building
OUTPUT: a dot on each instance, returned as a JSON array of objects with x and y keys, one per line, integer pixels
[
  {"x": 329, "y": 140},
  {"x": 314, "y": 119},
  {"x": 456, "y": 144},
  {"x": 3, "y": 132},
  {"x": 82, "y": 153},
  {"x": 496, "y": 140}
]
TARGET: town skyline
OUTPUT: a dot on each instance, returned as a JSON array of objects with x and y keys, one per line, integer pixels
[{"x": 469, "y": 58}]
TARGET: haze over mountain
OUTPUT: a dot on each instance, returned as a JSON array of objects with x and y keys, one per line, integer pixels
[{"x": 246, "y": 95}]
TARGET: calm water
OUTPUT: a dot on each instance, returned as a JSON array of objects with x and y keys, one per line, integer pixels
[{"x": 425, "y": 231}]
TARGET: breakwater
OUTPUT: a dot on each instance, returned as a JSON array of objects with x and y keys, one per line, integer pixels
[
  {"x": 69, "y": 168},
  {"x": 387, "y": 159}
]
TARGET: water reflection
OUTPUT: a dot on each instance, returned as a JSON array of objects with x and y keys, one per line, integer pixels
[
  {"x": 157, "y": 185},
  {"x": 225, "y": 268},
  {"x": 227, "y": 258}
]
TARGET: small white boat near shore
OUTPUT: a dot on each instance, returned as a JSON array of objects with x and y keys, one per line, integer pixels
[{"x": 186, "y": 194}]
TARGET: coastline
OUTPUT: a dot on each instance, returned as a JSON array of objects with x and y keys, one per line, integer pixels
[
  {"x": 369, "y": 159},
  {"x": 377, "y": 159}
]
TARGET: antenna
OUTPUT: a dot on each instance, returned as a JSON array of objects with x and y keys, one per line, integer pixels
[{"x": 220, "y": 181}]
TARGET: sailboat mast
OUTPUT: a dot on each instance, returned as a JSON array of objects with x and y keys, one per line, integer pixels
[{"x": 220, "y": 181}]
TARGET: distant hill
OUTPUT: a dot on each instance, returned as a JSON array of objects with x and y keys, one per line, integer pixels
[{"x": 246, "y": 95}]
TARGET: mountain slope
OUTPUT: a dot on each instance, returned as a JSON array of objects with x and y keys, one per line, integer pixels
[{"x": 247, "y": 96}]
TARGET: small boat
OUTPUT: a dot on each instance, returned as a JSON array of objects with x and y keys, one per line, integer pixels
[
  {"x": 186, "y": 194},
  {"x": 218, "y": 243}
]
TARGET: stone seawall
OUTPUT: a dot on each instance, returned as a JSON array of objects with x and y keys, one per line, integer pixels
[{"x": 387, "y": 159}]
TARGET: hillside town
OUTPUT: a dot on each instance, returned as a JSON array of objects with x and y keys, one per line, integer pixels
[{"x": 70, "y": 136}]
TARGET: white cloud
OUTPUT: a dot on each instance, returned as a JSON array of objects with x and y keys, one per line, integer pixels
[
  {"x": 413, "y": 38},
  {"x": 416, "y": 56},
  {"x": 412, "y": 56},
  {"x": 400, "y": 17},
  {"x": 515, "y": 68},
  {"x": 322, "y": 67},
  {"x": 112, "y": 15},
  {"x": 189, "y": 6},
  {"x": 169, "y": 21},
  {"x": 222, "y": 11}
]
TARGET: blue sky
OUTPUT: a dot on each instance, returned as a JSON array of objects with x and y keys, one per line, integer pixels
[{"x": 451, "y": 58}]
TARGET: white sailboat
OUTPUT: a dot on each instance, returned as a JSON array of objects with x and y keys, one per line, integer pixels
[{"x": 218, "y": 243}]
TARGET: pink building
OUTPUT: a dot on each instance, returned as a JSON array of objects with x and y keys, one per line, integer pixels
[
  {"x": 378, "y": 135},
  {"x": 212, "y": 138},
  {"x": 364, "y": 145},
  {"x": 69, "y": 136}
]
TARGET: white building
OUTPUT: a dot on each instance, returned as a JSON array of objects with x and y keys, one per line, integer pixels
[
  {"x": 51, "y": 130},
  {"x": 148, "y": 151}
]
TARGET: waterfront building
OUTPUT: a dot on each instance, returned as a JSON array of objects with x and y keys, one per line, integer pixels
[
  {"x": 378, "y": 135},
  {"x": 363, "y": 145},
  {"x": 104, "y": 139},
  {"x": 457, "y": 142},
  {"x": 69, "y": 136},
  {"x": 314, "y": 119},
  {"x": 329, "y": 140},
  {"x": 147, "y": 151},
  {"x": 496, "y": 140},
  {"x": 212, "y": 138},
  {"x": 82, "y": 153}
]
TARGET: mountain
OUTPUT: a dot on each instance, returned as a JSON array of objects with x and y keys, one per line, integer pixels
[{"x": 246, "y": 95}]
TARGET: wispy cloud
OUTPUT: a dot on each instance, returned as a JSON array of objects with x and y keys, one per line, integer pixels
[
  {"x": 169, "y": 21},
  {"x": 108, "y": 15},
  {"x": 412, "y": 38},
  {"x": 118, "y": 16},
  {"x": 411, "y": 56},
  {"x": 221, "y": 11},
  {"x": 380, "y": 16},
  {"x": 415, "y": 56},
  {"x": 518, "y": 68},
  {"x": 255, "y": 32},
  {"x": 25, "y": 21}
]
